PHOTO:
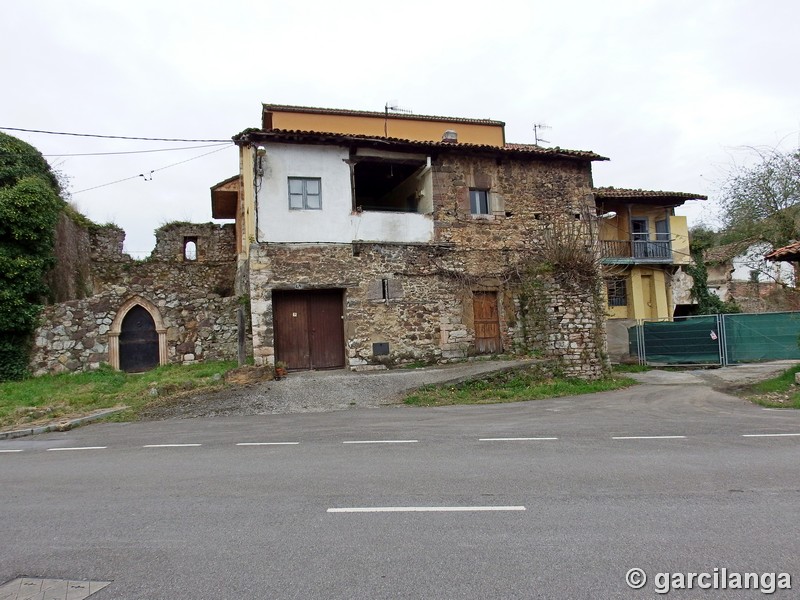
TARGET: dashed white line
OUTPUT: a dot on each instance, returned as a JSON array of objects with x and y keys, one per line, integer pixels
[
  {"x": 770, "y": 434},
  {"x": 517, "y": 439},
  {"x": 381, "y": 442},
  {"x": 267, "y": 443},
  {"x": 78, "y": 448},
  {"x": 378, "y": 509},
  {"x": 171, "y": 445},
  {"x": 649, "y": 437},
  {"x": 9, "y": 451}
]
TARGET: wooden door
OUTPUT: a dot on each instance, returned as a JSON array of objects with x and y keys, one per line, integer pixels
[
  {"x": 138, "y": 341},
  {"x": 487, "y": 323},
  {"x": 309, "y": 332}
]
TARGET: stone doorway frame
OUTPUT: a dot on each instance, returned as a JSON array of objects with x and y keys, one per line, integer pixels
[{"x": 116, "y": 327}]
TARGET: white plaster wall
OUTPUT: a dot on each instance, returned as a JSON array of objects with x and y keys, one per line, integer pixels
[
  {"x": 335, "y": 222},
  {"x": 768, "y": 271},
  {"x": 276, "y": 223},
  {"x": 392, "y": 227}
]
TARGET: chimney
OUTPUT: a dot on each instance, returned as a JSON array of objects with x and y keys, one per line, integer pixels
[{"x": 450, "y": 136}]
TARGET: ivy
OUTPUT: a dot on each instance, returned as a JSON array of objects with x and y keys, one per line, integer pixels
[
  {"x": 29, "y": 208},
  {"x": 707, "y": 302}
]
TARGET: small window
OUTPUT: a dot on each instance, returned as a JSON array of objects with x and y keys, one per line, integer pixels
[
  {"x": 305, "y": 193},
  {"x": 617, "y": 292},
  {"x": 190, "y": 248},
  {"x": 479, "y": 202}
]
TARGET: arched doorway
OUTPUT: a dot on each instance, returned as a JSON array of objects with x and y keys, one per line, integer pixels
[
  {"x": 139, "y": 327},
  {"x": 138, "y": 341}
]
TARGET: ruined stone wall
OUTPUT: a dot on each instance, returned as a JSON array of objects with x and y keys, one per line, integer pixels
[
  {"x": 761, "y": 297},
  {"x": 71, "y": 276},
  {"x": 194, "y": 298}
]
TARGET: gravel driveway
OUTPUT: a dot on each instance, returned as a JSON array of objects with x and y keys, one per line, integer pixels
[{"x": 321, "y": 391}]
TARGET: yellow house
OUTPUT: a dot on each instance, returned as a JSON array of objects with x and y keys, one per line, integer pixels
[{"x": 642, "y": 245}]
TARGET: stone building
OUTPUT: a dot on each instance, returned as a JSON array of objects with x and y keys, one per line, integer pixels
[
  {"x": 177, "y": 306},
  {"x": 375, "y": 238}
]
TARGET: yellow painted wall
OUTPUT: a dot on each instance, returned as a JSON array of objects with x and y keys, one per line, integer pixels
[
  {"x": 680, "y": 240},
  {"x": 649, "y": 295},
  {"x": 409, "y": 129},
  {"x": 248, "y": 208}
]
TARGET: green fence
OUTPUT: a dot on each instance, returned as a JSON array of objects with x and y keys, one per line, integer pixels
[
  {"x": 717, "y": 339},
  {"x": 767, "y": 336}
]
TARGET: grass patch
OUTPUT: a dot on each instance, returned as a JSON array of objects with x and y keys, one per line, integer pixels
[
  {"x": 51, "y": 397},
  {"x": 630, "y": 368},
  {"x": 511, "y": 386},
  {"x": 779, "y": 392}
]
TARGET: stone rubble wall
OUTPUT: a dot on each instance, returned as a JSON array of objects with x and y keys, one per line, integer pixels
[{"x": 195, "y": 300}]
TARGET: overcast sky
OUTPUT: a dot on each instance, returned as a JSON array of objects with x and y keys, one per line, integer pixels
[{"x": 667, "y": 89}]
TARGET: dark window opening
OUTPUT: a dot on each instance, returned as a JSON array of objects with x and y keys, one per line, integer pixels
[
  {"x": 617, "y": 292},
  {"x": 190, "y": 248},
  {"x": 385, "y": 289},
  {"x": 479, "y": 202},
  {"x": 390, "y": 185}
]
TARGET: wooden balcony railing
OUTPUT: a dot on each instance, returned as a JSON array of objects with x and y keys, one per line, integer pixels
[{"x": 645, "y": 250}]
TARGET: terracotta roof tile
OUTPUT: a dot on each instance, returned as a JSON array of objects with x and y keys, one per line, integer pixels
[
  {"x": 295, "y": 136},
  {"x": 612, "y": 192},
  {"x": 790, "y": 252}
]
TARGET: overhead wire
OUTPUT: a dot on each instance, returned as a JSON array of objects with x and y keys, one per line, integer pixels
[
  {"x": 114, "y": 137},
  {"x": 135, "y": 151},
  {"x": 149, "y": 173}
]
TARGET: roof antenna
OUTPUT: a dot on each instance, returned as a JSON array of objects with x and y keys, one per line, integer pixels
[
  {"x": 536, "y": 128},
  {"x": 391, "y": 105}
]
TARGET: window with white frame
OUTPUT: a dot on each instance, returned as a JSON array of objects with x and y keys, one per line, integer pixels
[
  {"x": 479, "y": 201},
  {"x": 305, "y": 193}
]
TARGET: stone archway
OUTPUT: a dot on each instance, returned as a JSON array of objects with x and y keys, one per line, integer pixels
[{"x": 116, "y": 329}]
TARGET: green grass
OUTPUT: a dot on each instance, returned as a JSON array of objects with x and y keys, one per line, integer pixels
[
  {"x": 630, "y": 368},
  {"x": 511, "y": 386},
  {"x": 779, "y": 392},
  {"x": 53, "y": 397}
]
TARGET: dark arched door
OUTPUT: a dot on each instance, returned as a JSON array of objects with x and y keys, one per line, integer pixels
[{"x": 138, "y": 341}]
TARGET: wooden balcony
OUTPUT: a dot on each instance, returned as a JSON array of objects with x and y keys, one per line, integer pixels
[{"x": 635, "y": 251}]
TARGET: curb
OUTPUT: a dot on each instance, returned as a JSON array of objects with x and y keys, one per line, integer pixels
[{"x": 61, "y": 426}]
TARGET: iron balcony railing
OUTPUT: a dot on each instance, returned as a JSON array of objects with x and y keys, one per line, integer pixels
[{"x": 645, "y": 250}]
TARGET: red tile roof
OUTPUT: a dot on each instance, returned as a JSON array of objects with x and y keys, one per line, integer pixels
[
  {"x": 316, "y": 137},
  {"x": 622, "y": 193},
  {"x": 788, "y": 253}
]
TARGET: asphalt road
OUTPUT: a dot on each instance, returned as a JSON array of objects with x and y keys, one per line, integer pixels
[{"x": 664, "y": 478}]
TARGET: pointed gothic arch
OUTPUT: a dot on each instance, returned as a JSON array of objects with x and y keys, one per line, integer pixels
[{"x": 116, "y": 329}]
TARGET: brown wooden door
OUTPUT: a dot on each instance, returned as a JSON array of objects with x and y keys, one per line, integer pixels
[
  {"x": 309, "y": 332},
  {"x": 138, "y": 341},
  {"x": 487, "y": 323}
]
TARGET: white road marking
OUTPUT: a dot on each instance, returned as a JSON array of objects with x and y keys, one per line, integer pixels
[
  {"x": 517, "y": 439},
  {"x": 79, "y": 448},
  {"x": 9, "y": 451},
  {"x": 375, "y": 509},
  {"x": 649, "y": 437},
  {"x": 171, "y": 445},
  {"x": 381, "y": 442},
  {"x": 267, "y": 443},
  {"x": 777, "y": 409},
  {"x": 770, "y": 434}
]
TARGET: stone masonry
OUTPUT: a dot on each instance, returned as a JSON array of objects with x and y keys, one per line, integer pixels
[
  {"x": 194, "y": 298},
  {"x": 428, "y": 314}
]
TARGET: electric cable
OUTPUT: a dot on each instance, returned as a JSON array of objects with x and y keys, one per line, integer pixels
[{"x": 112, "y": 137}]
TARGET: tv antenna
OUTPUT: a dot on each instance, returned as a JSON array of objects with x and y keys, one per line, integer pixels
[
  {"x": 392, "y": 106},
  {"x": 537, "y": 127}
]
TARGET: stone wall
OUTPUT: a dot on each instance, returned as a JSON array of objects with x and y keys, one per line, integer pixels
[
  {"x": 429, "y": 313},
  {"x": 194, "y": 298},
  {"x": 71, "y": 276}
]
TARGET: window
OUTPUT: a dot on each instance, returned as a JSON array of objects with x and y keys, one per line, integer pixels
[
  {"x": 305, "y": 193},
  {"x": 479, "y": 202},
  {"x": 617, "y": 292},
  {"x": 190, "y": 248}
]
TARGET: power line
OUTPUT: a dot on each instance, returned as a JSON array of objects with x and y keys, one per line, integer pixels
[
  {"x": 149, "y": 175},
  {"x": 109, "y": 137},
  {"x": 136, "y": 151}
]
